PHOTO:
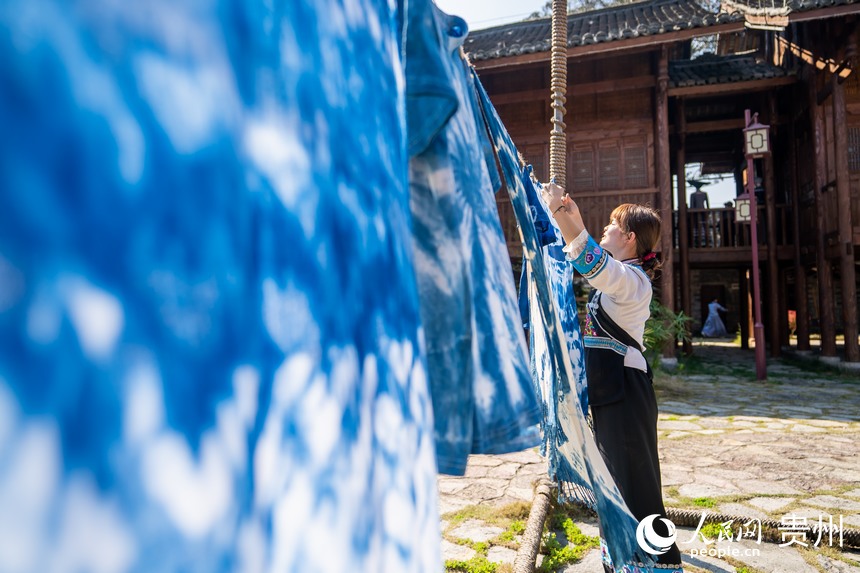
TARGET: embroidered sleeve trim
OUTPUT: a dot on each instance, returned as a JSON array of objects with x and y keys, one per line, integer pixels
[{"x": 591, "y": 260}]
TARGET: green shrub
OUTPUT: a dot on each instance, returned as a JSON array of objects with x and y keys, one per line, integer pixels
[{"x": 664, "y": 326}]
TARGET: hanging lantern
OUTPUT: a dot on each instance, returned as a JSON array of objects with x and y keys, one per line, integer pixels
[
  {"x": 743, "y": 208},
  {"x": 756, "y": 139}
]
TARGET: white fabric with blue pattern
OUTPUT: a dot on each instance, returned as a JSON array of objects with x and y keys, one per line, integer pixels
[
  {"x": 476, "y": 353},
  {"x": 212, "y": 357}
]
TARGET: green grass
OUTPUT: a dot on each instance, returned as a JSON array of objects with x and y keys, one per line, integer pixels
[
  {"x": 501, "y": 516},
  {"x": 578, "y": 544},
  {"x": 477, "y": 564},
  {"x": 715, "y": 530},
  {"x": 704, "y": 502},
  {"x": 512, "y": 518}
]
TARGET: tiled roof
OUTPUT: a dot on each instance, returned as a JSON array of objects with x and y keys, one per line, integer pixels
[
  {"x": 762, "y": 6},
  {"x": 647, "y": 18},
  {"x": 710, "y": 69}
]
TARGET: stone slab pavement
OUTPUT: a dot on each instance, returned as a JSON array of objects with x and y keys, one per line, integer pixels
[{"x": 786, "y": 450}]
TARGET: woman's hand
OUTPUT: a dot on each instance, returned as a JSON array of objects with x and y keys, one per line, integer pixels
[
  {"x": 554, "y": 197},
  {"x": 559, "y": 201},
  {"x": 564, "y": 210}
]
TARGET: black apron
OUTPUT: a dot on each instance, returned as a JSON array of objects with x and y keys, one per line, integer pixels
[{"x": 624, "y": 411}]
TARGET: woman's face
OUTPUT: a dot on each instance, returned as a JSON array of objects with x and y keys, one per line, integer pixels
[{"x": 614, "y": 239}]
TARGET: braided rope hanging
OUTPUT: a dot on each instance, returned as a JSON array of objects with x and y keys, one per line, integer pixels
[{"x": 558, "y": 86}]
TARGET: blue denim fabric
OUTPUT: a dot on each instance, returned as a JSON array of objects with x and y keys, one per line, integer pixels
[
  {"x": 212, "y": 355},
  {"x": 477, "y": 363}
]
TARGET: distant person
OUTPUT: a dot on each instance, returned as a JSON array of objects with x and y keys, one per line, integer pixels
[
  {"x": 714, "y": 327},
  {"x": 699, "y": 200}
]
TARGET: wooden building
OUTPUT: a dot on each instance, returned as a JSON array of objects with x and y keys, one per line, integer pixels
[{"x": 640, "y": 108}]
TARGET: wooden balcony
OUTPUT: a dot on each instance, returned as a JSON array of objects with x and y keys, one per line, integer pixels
[{"x": 713, "y": 235}]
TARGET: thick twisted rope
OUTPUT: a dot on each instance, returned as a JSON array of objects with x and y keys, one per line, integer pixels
[
  {"x": 558, "y": 87},
  {"x": 770, "y": 528},
  {"x": 530, "y": 544}
]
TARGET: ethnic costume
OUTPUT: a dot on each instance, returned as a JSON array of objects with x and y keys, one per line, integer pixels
[{"x": 620, "y": 393}]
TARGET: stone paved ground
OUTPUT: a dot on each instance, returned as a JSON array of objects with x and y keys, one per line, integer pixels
[{"x": 729, "y": 444}]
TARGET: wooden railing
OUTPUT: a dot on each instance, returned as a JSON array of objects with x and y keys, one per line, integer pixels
[{"x": 716, "y": 228}]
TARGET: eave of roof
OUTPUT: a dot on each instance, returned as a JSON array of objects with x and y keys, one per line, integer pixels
[
  {"x": 641, "y": 19},
  {"x": 712, "y": 70},
  {"x": 788, "y": 6}
]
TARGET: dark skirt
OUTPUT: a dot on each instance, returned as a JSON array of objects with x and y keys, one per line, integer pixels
[{"x": 626, "y": 435}]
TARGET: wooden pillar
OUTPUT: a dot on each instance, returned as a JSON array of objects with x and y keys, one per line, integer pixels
[
  {"x": 664, "y": 184},
  {"x": 783, "y": 339},
  {"x": 801, "y": 306},
  {"x": 683, "y": 223},
  {"x": 770, "y": 217},
  {"x": 846, "y": 242},
  {"x": 744, "y": 308},
  {"x": 825, "y": 279},
  {"x": 739, "y": 178}
]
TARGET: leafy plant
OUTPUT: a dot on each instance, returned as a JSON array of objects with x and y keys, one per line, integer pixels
[
  {"x": 557, "y": 555},
  {"x": 663, "y": 327}
]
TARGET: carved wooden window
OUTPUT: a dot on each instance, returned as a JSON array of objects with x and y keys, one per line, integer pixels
[
  {"x": 635, "y": 168},
  {"x": 854, "y": 148},
  {"x": 582, "y": 176},
  {"x": 610, "y": 168}
]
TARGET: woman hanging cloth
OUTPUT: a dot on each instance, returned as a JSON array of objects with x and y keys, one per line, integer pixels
[{"x": 620, "y": 392}]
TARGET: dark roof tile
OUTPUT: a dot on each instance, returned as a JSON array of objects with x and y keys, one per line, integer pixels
[
  {"x": 761, "y": 6},
  {"x": 712, "y": 69},
  {"x": 648, "y": 18}
]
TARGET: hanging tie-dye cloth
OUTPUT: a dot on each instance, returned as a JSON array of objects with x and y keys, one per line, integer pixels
[
  {"x": 579, "y": 449},
  {"x": 477, "y": 359},
  {"x": 212, "y": 355}
]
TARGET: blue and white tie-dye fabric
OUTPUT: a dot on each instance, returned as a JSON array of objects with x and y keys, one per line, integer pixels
[
  {"x": 546, "y": 236},
  {"x": 212, "y": 356},
  {"x": 580, "y": 451},
  {"x": 440, "y": 228},
  {"x": 552, "y": 385},
  {"x": 561, "y": 275},
  {"x": 477, "y": 360}
]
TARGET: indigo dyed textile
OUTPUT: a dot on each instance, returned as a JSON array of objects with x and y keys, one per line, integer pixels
[
  {"x": 546, "y": 232},
  {"x": 580, "y": 451},
  {"x": 561, "y": 274},
  {"x": 477, "y": 361},
  {"x": 573, "y": 485},
  {"x": 212, "y": 356}
]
